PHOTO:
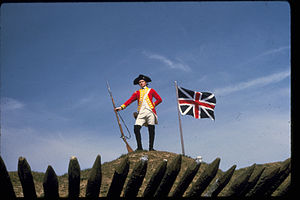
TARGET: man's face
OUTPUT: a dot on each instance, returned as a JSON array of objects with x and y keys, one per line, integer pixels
[{"x": 142, "y": 83}]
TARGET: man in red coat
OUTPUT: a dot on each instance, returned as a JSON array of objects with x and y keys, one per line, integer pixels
[{"x": 146, "y": 109}]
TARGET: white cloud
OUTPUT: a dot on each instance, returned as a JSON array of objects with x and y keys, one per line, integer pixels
[
  {"x": 273, "y": 51},
  {"x": 92, "y": 100},
  {"x": 172, "y": 64},
  {"x": 261, "y": 81},
  {"x": 265, "y": 53},
  {"x": 10, "y": 104},
  {"x": 85, "y": 100}
]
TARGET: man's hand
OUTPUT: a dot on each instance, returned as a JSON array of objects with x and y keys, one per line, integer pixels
[{"x": 118, "y": 109}]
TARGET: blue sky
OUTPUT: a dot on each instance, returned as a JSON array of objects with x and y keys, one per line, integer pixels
[{"x": 57, "y": 57}]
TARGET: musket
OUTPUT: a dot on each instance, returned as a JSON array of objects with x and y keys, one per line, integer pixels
[{"x": 129, "y": 149}]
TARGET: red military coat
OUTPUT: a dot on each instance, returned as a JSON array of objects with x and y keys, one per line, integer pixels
[{"x": 139, "y": 95}]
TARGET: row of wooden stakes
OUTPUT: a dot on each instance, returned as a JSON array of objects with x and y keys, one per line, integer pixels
[{"x": 246, "y": 184}]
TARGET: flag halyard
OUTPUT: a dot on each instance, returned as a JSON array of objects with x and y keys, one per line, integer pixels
[{"x": 197, "y": 104}]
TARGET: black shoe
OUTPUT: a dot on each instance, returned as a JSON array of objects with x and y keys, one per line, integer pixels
[
  {"x": 139, "y": 149},
  {"x": 151, "y": 149}
]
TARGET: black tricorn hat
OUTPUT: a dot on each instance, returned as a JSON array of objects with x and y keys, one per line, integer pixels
[{"x": 141, "y": 77}]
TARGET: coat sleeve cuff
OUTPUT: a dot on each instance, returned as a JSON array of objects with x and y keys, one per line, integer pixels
[{"x": 123, "y": 106}]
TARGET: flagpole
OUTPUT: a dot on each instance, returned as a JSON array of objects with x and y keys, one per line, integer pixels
[{"x": 179, "y": 119}]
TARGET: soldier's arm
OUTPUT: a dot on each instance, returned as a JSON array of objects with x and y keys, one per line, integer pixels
[
  {"x": 128, "y": 102},
  {"x": 157, "y": 97}
]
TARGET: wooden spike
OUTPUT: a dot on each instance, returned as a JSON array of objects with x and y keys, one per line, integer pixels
[
  {"x": 265, "y": 181},
  {"x": 283, "y": 172},
  {"x": 50, "y": 184},
  {"x": 118, "y": 179},
  {"x": 204, "y": 179},
  {"x": 252, "y": 181},
  {"x": 26, "y": 179},
  {"x": 155, "y": 179},
  {"x": 74, "y": 178},
  {"x": 186, "y": 179},
  {"x": 220, "y": 183},
  {"x": 284, "y": 189},
  {"x": 94, "y": 179},
  {"x": 240, "y": 182},
  {"x": 136, "y": 178},
  {"x": 7, "y": 190},
  {"x": 169, "y": 178}
]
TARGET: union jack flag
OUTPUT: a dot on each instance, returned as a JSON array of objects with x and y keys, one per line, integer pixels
[{"x": 196, "y": 104}]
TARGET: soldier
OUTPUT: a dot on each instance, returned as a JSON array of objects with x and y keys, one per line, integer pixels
[{"x": 146, "y": 115}]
